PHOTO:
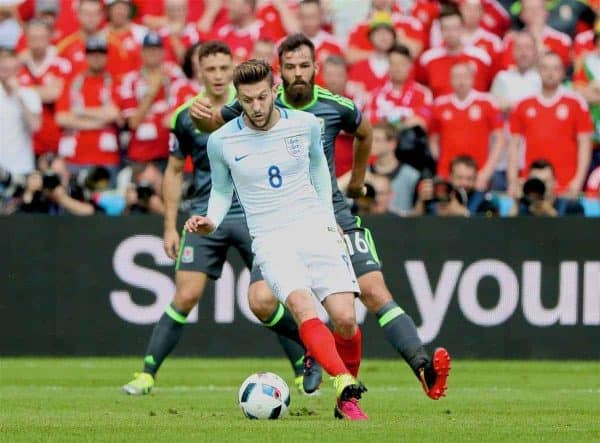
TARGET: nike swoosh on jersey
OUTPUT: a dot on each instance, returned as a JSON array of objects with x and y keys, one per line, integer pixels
[{"x": 241, "y": 157}]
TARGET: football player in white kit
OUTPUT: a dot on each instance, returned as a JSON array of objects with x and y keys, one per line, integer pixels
[{"x": 274, "y": 159}]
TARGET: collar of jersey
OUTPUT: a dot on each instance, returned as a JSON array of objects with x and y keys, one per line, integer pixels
[{"x": 314, "y": 99}]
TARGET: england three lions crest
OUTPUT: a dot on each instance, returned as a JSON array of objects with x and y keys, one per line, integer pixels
[{"x": 296, "y": 145}]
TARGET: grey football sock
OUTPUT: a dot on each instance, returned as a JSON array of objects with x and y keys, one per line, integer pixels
[
  {"x": 401, "y": 332},
  {"x": 165, "y": 336}
]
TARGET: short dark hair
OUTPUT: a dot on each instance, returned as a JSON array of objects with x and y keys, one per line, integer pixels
[
  {"x": 390, "y": 130},
  {"x": 293, "y": 42},
  {"x": 449, "y": 10},
  {"x": 400, "y": 49},
  {"x": 542, "y": 163},
  {"x": 466, "y": 160},
  {"x": 251, "y": 72},
  {"x": 213, "y": 47},
  {"x": 310, "y": 2},
  {"x": 336, "y": 60}
]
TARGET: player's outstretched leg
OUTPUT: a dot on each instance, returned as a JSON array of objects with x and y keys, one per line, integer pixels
[
  {"x": 167, "y": 332},
  {"x": 401, "y": 332},
  {"x": 278, "y": 319},
  {"x": 320, "y": 343}
]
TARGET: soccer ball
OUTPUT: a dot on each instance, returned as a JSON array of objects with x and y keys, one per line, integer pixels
[{"x": 264, "y": 395}]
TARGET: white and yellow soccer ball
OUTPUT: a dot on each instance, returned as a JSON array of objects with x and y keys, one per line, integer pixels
[{"x": 264, "y": 395}]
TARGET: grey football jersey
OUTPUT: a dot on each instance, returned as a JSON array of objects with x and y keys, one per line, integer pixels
[{"x": 187, "y": 140}]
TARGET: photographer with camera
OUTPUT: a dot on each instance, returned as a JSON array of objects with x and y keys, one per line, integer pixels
[
  {"x": 457, "y": 197},
  {"x": 143, "y": 193},
  {"x": 55, "y": 192},
  {"x": 538, "y": 195},
  {"x": 30, "y": 198}
]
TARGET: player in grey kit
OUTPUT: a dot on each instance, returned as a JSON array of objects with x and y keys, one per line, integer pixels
[
  {"x": 200, "y": 258},
  {"x": 298, "y": 69}
]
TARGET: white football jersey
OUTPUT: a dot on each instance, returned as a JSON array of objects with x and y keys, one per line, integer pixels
[{"x": 281, "y": 175}]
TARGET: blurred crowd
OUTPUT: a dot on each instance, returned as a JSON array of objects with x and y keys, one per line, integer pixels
[{"x": 478, "y": 107}]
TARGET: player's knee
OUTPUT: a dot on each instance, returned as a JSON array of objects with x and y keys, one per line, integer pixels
[
  {"x": 345, "y": 324},
  {"x": 186, "y": 298},
  {"x": 374, "y": 294},
  {"x": 301, "y": 305},
  {"x": 262, "y": 301}
]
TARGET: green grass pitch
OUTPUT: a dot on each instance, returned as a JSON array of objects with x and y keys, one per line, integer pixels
[{"x": 78, "y": 399}]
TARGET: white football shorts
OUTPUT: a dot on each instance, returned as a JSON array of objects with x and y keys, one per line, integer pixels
[{"x": 305, "y": 256}]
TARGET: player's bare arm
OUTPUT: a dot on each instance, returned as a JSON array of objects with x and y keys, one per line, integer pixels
[
  {"x": 363, "y": 139},
  {"x": 205, "y": 116},
  {"x": 584, "y": 156},
  {"x": 172, "y": 184}
]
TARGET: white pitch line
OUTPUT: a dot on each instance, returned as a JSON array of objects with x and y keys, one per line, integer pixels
[{"x": 214, "y": 388}]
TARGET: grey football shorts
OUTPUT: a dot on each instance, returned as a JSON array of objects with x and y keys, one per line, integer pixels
[{"x": 207, "y": 253}]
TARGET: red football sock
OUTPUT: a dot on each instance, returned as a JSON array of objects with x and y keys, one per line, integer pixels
[
  {"x": 320, "y": 343},
  {"x": 350, "y": 349}
]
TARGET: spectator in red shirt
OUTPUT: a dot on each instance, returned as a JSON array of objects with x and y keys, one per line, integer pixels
[
  {"x": 243, "y": 30},
  {"x": 124, "y": 33},
  {"x": 554, "y": 125},
  {"x": 475, "y": 35},
  {"x": 46, "y": 12},
  {"x": 534, "y": 15},
  {"x": 401, "y": 100},
  {"x": 467, "y": 122},
  {"x": 433, "y": 69},
  {"x": 87, "y": 112},
  {"x": 143, "y": 100},
  {"x": 44, "y": 71},
  {"x": 372, "y": 72},
  {"x": 310, "y": 15},
  {"x": 177, "y": 33},
  {"x": 410, "y": 30},
  {"x": 152, "y": 13},
  {"x": 91, "y": 15}
]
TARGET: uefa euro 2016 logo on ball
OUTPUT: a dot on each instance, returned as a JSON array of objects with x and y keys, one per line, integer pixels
[{"x": 264, "y": 395}]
